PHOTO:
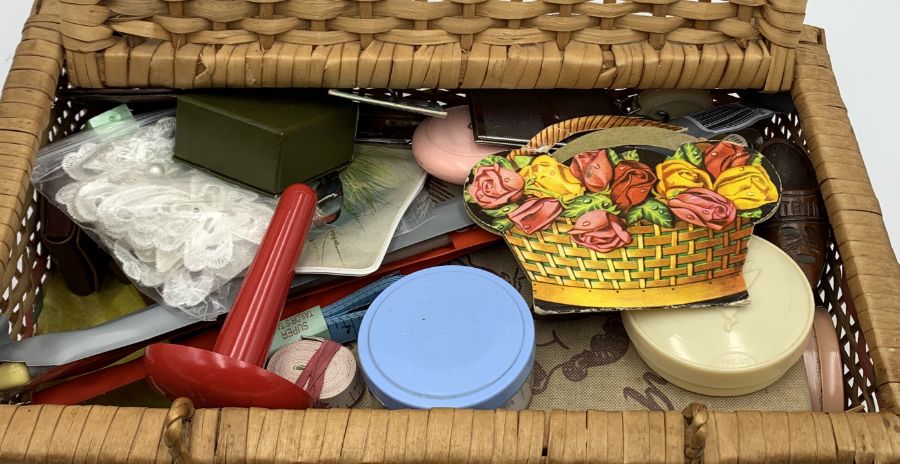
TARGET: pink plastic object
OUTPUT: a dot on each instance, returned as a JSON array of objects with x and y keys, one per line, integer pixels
[
  {"x": 232, "y": 373},
  {"x": 446, "y": 148},
  {"x": 823, "y": 365}
]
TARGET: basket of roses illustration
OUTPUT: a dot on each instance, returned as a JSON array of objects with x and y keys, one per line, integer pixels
[{"x": 627, "y": 226}]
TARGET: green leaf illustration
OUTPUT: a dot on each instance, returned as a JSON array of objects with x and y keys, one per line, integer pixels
[
  {"x": 614, "y": 157},
  {"x": 495, "y": 159},
  {"x": 589, "y": 202},
  {"x": 631, "y": 155},
  {"x": 635, "y": 215},
  {"x": 502, "y": 225},
  {"x": 751, "y": 213},
  {"x": 657, "y": 213},
  {"x": 756, "y": 160},
  {"x": 523, "y": 161},
  {"x": 502, "y": 211},
  {"x": 688, "y": 152},
  {"x": 468, "y": 197}
]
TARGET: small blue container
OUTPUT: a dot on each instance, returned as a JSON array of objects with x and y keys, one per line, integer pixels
[{"x": 448, "y": 337}]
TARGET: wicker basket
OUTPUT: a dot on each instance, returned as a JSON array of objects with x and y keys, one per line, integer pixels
[
  {"x": 859, "y": 289},
  {"x": 427, "y": 44}
]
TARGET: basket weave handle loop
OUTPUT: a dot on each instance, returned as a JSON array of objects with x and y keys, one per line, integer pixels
[
  {"x": 695, "y": 417},
  {"x": 558, "y": 132},
  {"x": 176, "y": 434}
]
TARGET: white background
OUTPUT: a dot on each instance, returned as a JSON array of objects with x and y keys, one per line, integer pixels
[{"x": 863, "y": 52}]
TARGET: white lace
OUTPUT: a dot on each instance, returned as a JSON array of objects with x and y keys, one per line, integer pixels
[{"x": 173, "y": 228}]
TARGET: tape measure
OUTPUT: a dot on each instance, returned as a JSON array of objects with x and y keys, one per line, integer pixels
[{"x": 343, "y": 384}]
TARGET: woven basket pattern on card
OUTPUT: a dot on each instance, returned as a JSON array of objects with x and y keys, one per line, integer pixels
[
  {"x": 432, "y": 43},
  {"x": 656, "y": 257}
]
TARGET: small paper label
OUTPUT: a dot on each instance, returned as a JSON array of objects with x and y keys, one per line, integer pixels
[
  {"x": 113, "y": 122},
  {"x": 120, "y": 113},
  {"x": 309, "y": 323}
]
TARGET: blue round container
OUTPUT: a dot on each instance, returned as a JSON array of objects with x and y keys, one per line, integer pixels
[{"x": 448, "y": 337}]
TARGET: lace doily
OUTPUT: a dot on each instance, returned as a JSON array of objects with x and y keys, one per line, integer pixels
[{"x": 174, "y": 229}]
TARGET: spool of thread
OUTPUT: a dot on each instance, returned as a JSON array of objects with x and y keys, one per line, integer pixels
[{"x": 342, "y": 384}]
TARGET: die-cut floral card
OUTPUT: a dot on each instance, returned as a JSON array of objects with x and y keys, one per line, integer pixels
[{"x": 627, "y": 227}]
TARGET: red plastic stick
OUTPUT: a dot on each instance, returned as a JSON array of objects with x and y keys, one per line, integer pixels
[
  {"x": 253, "y": 318},
  {"x": 232, "y": 374}
]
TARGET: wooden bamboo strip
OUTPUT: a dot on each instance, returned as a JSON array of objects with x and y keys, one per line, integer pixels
[
  {"x": 503, "y": 446},
  {"x": 111, "y": 434},
  {"x": 852, "y": 209},
  {"x": 507, "y": 62},
  {"x": 25, "y": 109}
]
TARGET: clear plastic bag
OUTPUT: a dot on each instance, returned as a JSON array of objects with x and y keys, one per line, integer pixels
[
  {"x": 417, "y": 214},
  {"x": 180, "y": 234}
]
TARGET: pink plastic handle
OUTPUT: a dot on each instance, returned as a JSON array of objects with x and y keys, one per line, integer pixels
[{"x": 253, "y": 318}]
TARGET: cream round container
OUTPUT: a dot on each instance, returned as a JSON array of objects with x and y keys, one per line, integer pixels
[
  {"x": 448, "y": 337},
  {"x": 732, "y": 350},
  {"x": 446, "y": 148}
]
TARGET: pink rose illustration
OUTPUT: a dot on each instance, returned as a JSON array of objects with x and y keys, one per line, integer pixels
[
  {"x": 600, "y": 231},
  {"x": 593, "y": 169},
  {"x": 536, "y": 214},
  {"x": 703, "y": 207},
  {"x": 494, "y": 186}
]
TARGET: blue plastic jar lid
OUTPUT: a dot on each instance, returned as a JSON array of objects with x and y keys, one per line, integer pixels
[{"x": 447, "y": 337}]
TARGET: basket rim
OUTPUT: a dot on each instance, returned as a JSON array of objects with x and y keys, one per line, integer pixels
[{"x": 869, "y": 262}]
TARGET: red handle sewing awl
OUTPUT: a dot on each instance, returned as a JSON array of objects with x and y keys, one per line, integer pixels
[{"x": 232, "y": 374}]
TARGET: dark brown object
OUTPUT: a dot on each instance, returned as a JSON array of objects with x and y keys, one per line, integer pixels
[
  {"x": 75, "y": 255},
  {"x": 512, "y": 117},
  {"x": 800, "y": 225}
]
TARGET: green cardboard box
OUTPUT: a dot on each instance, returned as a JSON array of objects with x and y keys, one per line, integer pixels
[{"x": 266, "y": 140}]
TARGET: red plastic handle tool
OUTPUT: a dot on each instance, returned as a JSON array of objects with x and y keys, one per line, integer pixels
[
  {"x": 233, "y": 374},
  {"x": 254, "y": 316}
]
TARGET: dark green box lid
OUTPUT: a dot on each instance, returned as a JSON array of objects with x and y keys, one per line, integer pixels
[{"x": 266, "y": 139}]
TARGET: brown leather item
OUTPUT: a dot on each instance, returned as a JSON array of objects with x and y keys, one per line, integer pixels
[
  {"x": 800, "y": 226},
  {"x": 75, "y": 255}
]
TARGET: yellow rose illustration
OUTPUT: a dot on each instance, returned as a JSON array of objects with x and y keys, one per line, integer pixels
[
  {"x": 546, "y": 178},
  {"x": 748, "y": 187},
  {"x": 676, "y": 176}
]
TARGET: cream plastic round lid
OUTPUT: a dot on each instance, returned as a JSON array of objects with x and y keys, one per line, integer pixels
[{"x": 732, "y": 350}]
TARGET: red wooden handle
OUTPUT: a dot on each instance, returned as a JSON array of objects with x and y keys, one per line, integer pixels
[{"x": 251, "y": 323}]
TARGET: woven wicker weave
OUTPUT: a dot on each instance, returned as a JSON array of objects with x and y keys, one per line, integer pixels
[
  {"x": 657, "y": 257},
  {"x": 437, "y": 43},
  {"x": 108, "y": 434},
  {"x": 860, "y": 290}
]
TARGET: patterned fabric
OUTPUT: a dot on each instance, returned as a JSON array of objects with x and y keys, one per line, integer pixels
[{"x": 587, "y": 362}]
